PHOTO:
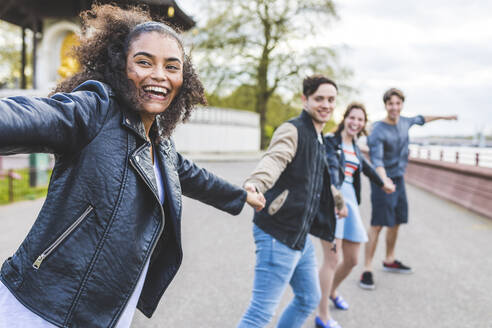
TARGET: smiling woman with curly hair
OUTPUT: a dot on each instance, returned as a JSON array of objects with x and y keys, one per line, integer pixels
[
  {"x": 107, "y": 31},
  {"x": 108, "y": 237}
]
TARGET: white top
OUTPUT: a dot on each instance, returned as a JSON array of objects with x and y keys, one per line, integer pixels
[{"x": 14, "y": 314}]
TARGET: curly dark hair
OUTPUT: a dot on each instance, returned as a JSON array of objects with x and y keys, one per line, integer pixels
[
  {"x": 107, "y": 32},
  {"x": 350, "y": 107}
]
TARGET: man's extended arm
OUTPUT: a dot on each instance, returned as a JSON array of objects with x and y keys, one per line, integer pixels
[
  {"x": 281, "y": 151},
  {"x": 435, "y": 118}
]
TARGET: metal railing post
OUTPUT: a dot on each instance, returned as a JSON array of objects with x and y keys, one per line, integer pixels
[
  {"x": 477, "y": 159},
  {"x": 10, "y": 177}
]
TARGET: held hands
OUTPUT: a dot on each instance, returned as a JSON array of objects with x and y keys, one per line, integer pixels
[
  {"x": 255, "y": 198},
  {"x": 340, "y": 207},
  {"x": 341, "y": 213},
  {"x": 389, "y": 187}
]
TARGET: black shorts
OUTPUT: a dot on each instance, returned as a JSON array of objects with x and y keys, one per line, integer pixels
[{"x": 389, "y": 209}]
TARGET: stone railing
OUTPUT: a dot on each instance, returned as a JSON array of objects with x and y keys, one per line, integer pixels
[
  {"x": 467, "y": 185},
  {"x": 219, "y": 130}
]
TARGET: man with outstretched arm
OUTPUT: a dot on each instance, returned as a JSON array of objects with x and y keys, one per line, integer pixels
[{"x": 388, "y": 149}]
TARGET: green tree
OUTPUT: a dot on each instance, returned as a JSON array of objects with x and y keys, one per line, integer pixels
[
  {"x": 278, "y": 110},
  {"x": 264, "y": 44},
  {"x": 243, "y": 97},
  {"x": 10, "y": 56}
]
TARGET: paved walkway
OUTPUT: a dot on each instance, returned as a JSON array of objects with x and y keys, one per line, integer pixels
[{"x": 448, "y": 246}]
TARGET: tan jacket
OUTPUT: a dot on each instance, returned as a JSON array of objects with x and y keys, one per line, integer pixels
[{"x": 279, "y": 154}]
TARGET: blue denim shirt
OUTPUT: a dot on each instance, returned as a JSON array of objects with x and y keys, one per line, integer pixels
[{"x": 388, "y": 144}]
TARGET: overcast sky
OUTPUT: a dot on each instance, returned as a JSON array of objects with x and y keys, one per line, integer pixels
[{"x": 438, "y": 52}]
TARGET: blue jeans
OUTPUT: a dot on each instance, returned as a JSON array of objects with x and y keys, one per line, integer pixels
[{"x": 276, "y": 266}]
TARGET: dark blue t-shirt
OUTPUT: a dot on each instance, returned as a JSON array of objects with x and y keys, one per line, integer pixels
[{"x": 388, "y": 144}]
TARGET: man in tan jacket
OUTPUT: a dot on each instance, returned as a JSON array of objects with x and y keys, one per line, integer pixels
[{"x": 295, "y": 180}]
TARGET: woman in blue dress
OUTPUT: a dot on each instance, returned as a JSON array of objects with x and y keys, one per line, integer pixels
[{"x": 345, "y": 164}]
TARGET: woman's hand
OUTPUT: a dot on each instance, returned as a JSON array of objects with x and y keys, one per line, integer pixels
[
  {"x": 341, "y": 213},
  {"x": 341, "y": 209},
  {"x": 255, "y": 199}
]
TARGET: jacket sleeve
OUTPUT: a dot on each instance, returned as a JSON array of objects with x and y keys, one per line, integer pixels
[
  {"x": 334, "y": 163},
  {"x": 335, "y": 170},
  {"x": 202, "y": 185},
  {"x": 63, "y": 123},
  {"x": 370, "y": 172},
  {"x": 279, "y": 154}
]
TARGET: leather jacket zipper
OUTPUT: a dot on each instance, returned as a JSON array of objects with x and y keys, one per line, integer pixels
[
  {"x": 161, "y": 208},
  {"x": 60, "y": 239}
]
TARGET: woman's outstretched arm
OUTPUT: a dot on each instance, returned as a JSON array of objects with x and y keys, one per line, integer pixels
[{"x": 60, "y": 124}]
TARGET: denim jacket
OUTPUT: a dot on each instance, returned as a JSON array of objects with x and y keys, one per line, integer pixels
[
  {"x": 102, "y": 218},
  {"x": 336, "y": 161}
]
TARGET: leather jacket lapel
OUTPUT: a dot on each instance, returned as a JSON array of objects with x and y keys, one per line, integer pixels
[{"x": 167, "y": 157}]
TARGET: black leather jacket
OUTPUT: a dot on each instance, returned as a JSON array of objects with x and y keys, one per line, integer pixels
[
  {"x": 300, "y": 201},
  {"x": 102, "y": 219},
  {"x": 336, "y": 161}
]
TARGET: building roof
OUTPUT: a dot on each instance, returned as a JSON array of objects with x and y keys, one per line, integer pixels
[{"x": 29, "y": 12}]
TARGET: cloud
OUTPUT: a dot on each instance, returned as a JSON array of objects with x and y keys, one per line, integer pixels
[{"x": 438, "y": 52}]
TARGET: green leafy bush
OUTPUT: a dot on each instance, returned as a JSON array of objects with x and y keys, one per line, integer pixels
[{"x": 22, "y": 190}]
